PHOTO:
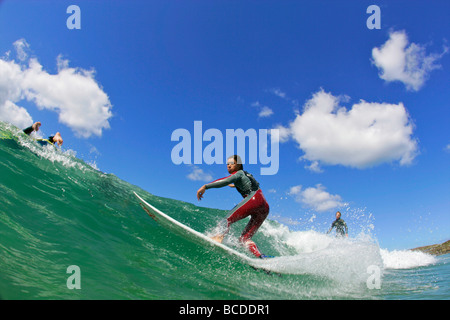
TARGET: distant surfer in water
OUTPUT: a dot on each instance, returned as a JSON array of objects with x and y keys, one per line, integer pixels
[
  {"x": 254, "y": 204},
  {"x": 340, "y": 225},
  {"x": 52, "y": 139}
]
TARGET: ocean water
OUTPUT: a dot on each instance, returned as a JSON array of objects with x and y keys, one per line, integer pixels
[{"x": 70, "y": 231}]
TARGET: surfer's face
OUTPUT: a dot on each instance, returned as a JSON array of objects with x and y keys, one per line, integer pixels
[{"x": 231, "y": 165}]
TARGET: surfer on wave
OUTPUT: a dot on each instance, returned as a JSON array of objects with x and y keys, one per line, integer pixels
[
  {"x": 254, "y": 204},
  {"x": 52, "y": 139}
]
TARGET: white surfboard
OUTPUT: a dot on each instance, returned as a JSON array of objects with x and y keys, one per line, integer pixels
[{"x": 193, "y": 235}]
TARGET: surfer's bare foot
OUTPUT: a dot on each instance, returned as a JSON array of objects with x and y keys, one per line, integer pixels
[{"x": 218, "y": 238}]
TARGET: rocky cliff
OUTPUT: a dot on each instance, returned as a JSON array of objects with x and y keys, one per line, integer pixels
[{"x": 435, "y": 249}]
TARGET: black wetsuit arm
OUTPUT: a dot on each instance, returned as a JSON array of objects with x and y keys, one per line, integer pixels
[{"x": 28, "y": 130}]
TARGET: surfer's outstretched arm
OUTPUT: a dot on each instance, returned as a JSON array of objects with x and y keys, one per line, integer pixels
[{"x": 227, "y": 181}]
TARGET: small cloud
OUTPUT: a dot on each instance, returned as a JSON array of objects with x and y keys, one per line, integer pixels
[
  {"x": 295, "y": 190},
  {"x": 399, "y": 60},
  {"x": 265, "y": 112},
  {"x": 93, "y": 150},
  {"x": 62, "y": 63},
  {"x": 314, "y": 167},
  {"x": 198, "y": 174},
  {"x": 21, "y": 47},
  {"x": 278, "y": 92},
  {"x": 316, "y": 198}
]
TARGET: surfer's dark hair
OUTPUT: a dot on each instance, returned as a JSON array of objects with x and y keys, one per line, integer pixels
[{"x": 237, "y": 160}]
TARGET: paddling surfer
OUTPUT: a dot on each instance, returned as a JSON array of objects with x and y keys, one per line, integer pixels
[{"x": 52, "y": 139}]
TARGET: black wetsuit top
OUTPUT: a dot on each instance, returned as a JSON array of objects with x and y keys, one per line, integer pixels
[{"x": 341, "y": 227}]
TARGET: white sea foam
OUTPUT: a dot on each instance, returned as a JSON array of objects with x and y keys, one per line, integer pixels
[
  {"x": 406, "y": 259},
  {"x": 66, "y": 157},
  {"x": 343, "y": 259},
  {"x": 310, "y": 252}
]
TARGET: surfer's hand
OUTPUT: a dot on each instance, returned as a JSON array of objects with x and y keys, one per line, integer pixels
[{"x": 200, "y": 193}]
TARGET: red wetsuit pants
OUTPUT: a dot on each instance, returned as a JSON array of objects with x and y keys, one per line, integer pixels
[{"x": 255, "y": 206}]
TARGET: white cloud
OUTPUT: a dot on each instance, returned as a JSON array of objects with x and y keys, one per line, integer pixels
[
  {"x": 9, "y": 112},
  {"x": 93, "y": 150},
  {"x": 295, "y": 190},
  {"x": 314, "y": 167},
  {"x": 366, "y": 135},
  {"x": 21, "y": 47},
  {"x": 316, "y": 198},
  {"x": 283, "y": 133},
  {"x": 279, "y": 93},
  {"x": 10, "y": 92},
  {"x": 265, "y": 112},
  {"x": 72, "y": 93},
  {"x": 399, "y": 60},
  {"x": 198, "y": 174},
  {"x": 447, "y": 148}
]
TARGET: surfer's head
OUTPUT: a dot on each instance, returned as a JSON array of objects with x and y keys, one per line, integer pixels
[
  {"x": 338, "y": 215},
  {"x": 234, "y": 163}
]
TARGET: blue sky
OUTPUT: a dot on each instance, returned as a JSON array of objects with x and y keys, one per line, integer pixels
[{"x": 363, "y": 113}]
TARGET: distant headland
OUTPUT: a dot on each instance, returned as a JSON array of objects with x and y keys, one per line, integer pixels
[{"x": 435, "y": 249}]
